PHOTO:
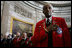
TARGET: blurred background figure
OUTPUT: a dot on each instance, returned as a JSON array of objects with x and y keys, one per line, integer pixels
[
  {"x": 24, "y": 40},
  {"x": 9, "y": 40},
  {"x": 4, "y": 41},
  {"x": 13, "y": 36},
  {"x": 16, "y": 40},
  {"x": 1, "y": 39},
  {"x": 24, "y": 35}
]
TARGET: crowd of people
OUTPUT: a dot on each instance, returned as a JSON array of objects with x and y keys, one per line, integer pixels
[{"x": 13, "y": 40}]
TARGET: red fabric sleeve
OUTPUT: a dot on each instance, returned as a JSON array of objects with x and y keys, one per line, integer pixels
[
  {"x": 66, "y": 34},
  {"x": 39, "y": 35}
]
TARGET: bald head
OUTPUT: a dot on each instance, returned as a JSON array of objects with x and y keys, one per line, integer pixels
[
  {"x": 47, "y": 10},
  {"x": 47, "y": 4},
  {"x": 18, "y": 34}
]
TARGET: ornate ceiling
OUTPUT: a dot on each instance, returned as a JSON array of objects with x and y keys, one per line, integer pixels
[
  {"x": 57, "y": 3},
  {"x": 39, "y": 4}
]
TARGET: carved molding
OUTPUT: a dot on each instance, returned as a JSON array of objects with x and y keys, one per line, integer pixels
[{"x": 22, "y": 11}]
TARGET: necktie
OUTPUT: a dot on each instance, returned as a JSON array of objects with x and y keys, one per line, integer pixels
[
  {"x": 47, "y": 20},
  {"x": 49, "y": 35},
  {"x": 48, "y": 23},
  {"x": 50, "y": 39}
]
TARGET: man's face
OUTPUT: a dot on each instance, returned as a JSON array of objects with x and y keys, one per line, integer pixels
[
  {"x": 25, "y": 35},
  {"x": 18, "y": 34},
  {"x": 47, "y": 10}
]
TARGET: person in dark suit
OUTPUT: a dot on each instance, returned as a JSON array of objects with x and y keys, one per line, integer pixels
[
  {"x": 24, "y": 40},
  {"x": 4, "y": 42},
  {"x": 9, "y": 40}
]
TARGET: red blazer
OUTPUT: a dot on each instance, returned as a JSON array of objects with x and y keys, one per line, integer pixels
[
  {"x": 59, "y": 40},
  {"x": 16, "y": 43}
]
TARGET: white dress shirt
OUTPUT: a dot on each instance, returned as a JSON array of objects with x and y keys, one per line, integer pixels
[{"x": 50, "y": 19}]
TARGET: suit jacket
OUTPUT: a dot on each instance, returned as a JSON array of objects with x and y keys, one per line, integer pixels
[
  {"x": 16, "y": 42},
  {"x": 40, "y": 37},
  {"x": 4, "y": 43},
  {"x": 23, "y": 42}
]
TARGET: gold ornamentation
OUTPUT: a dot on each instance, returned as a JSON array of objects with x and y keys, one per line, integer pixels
[{"x": 52, "y": 27}]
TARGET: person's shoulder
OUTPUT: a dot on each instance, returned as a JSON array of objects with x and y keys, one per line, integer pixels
[
  {"x": 41, "y": 21},
  {"x": 59, "y": 18}
]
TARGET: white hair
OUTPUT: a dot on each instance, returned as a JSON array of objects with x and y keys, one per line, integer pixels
[{"x": 25, "y": 34}]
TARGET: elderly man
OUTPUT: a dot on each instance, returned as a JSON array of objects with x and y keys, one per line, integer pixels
[
  {"x": 16, "y": 40},
  {"x": 24, "y": 40},
  {"x": 51, "y": 31}
]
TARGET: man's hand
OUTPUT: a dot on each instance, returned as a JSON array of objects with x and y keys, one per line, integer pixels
[{"x": 52, "y": 28}]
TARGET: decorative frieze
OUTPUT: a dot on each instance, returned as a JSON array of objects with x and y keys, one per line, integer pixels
[{"x": 22, "y": 11}]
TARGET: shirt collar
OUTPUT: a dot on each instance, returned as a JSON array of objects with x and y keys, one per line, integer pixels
[{"x": 50, "y": 19}]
